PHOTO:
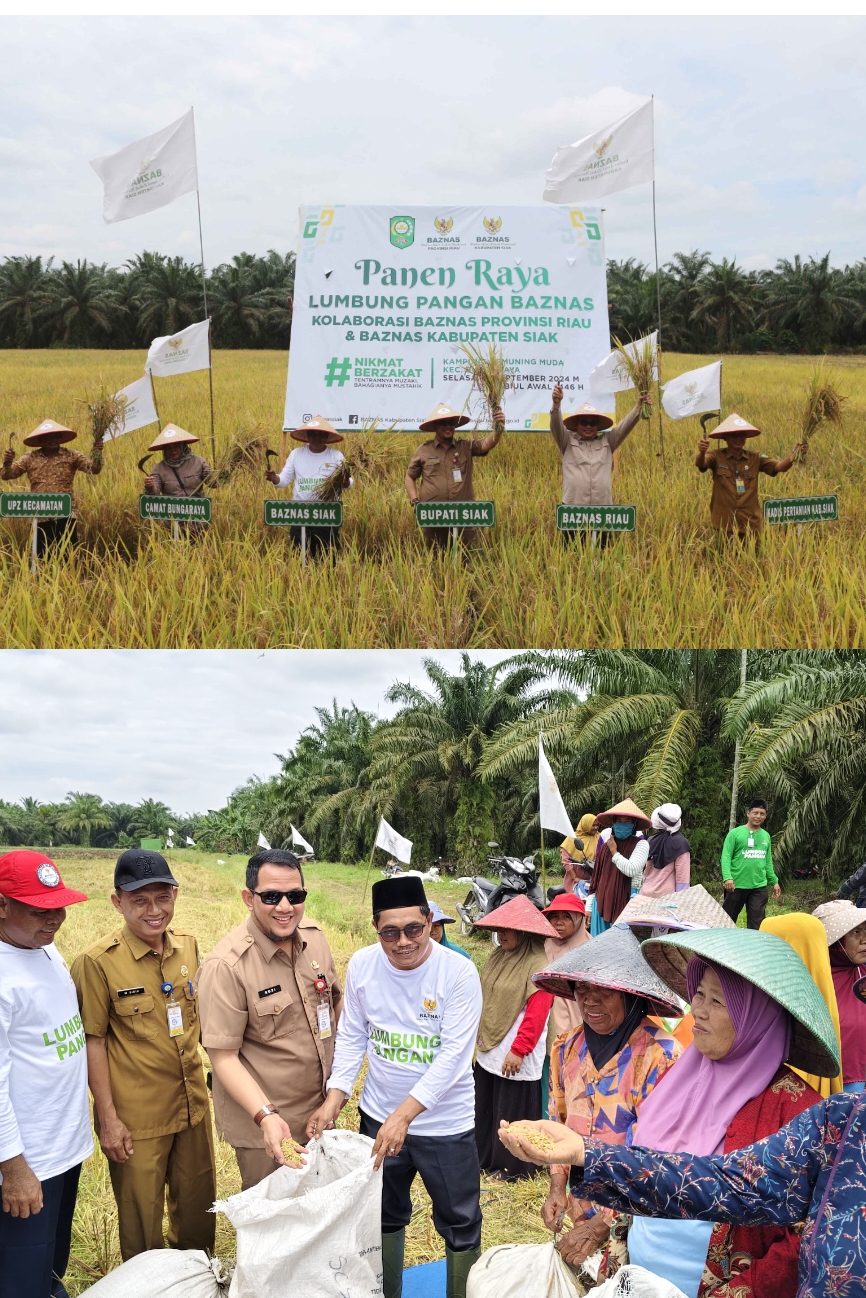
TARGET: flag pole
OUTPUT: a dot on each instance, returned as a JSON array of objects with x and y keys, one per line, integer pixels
[
  {"x": 369, "y": 868},
  {"x": 207, "y": 317},
  {"x": 543, "y": 871},
  {"x": 658, "y": 302},
  {"x": 153, "y": 399}
]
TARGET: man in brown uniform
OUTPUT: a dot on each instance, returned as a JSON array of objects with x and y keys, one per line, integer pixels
[
  {"x": 444, "y": 465},
  {"x": 270, "y": 1001},
  {"x": 734, "y": 504},
  {"x": 138, "y": 1006},
  {"x": 179, "y": 472},
  {"x": 51, "y": 468}
]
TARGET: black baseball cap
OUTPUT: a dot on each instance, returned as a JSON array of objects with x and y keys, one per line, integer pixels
[{"x": 138, "y": 867}]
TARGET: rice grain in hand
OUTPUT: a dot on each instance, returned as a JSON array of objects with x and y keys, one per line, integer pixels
[
  {"x": 538, "y": 1139},
  {"x": 292, "y": 1153}
]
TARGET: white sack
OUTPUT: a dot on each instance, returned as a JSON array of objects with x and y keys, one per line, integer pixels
[
  {"x": 312, "y": 1232},
  {"x": 164, "y": 1273},
  {"x": 636, "y": 1282},
  {"x": 520, "y": 1271}
]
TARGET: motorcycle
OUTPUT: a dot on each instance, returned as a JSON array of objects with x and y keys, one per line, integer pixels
[{"x": 516, "y": 878}]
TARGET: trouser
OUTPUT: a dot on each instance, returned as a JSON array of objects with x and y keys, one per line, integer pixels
[
  {"x": 448, "y": 1166},
  {"x": 34, "y": 1250},
  {"x": 50, "y": 533},
  {"x": 583, "y": 537},
  {"x": 438, "y": 538},
  {"x": 177, "y": 1170},
  {"x": 754, "y": 900},
  {"x": 318, "y": 539},
  {"x": 254, "y": 1165}
]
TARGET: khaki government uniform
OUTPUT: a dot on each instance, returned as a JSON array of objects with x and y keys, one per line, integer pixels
[
  {"x": 434, "y": 463},
  {"x": 587, "y": 464},
  {"x": 53, "y": 473},
  {"x": 730, "y": 510},
  {"x": 258, "y": 997},
  {"x": 158, "y": 1086}
]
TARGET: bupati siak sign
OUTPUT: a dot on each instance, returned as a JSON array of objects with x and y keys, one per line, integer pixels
[{"x": 455, "y": 513}]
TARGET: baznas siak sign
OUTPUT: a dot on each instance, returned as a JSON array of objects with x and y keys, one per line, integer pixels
[{"x": 385, "y": 296}]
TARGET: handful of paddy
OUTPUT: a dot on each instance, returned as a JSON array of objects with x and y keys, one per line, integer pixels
[
  {"x": 538, "y": 1139},
  {"x": 292, "y": 1153}
]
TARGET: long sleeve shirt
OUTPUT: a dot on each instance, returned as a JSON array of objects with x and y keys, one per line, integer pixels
[
  {"x": 747, "y": 858},
  {"x": 417, "y": 1028},
  {"x": 782, "y": 1180},
  {"x": 632, "y": 866},
  {"x": 587, "y": 463},
  {"x": 186, "y": 478},
  {"x": 55, "y": 472}
]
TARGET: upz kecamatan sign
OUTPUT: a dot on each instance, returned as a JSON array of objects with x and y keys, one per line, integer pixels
[{"x": 35, "y": 504}]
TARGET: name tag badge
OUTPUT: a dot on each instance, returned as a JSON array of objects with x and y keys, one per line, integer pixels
[
  {"x": 323, "y": 1014},
  {"x": 457, "y": 475},
  {"x": 129, "y": 991},
  {"x": 741, "y": 486},
  {"x": 175, "y": 1019},
  {"x": 269, "y": 991}
]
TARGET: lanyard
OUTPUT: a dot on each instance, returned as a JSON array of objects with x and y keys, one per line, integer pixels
[{"x": 173, "y": 1011}]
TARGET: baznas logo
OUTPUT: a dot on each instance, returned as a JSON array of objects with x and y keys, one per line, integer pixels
[
  {"x": 428, "y": 1004},
  {"x": 402, "y": 231},
  {"x": 492, "y": 224},
  {"x": 443, "y": 224},
  {"x": 144, "y": 165},
  {"x": 602, "y": 147}
]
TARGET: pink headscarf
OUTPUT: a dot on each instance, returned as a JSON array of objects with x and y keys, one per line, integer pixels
[{"x": 694, "y": 1104}]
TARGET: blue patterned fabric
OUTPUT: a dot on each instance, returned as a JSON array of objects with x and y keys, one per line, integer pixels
[{"x": 782, "y": 1180}]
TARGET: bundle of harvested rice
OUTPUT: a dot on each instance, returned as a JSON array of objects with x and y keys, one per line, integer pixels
[
  {"x": 538, "y": 1139},
  {"x": 240, "y": 454},
  {"x": 490, "y": 379},
  {"x": 638, "y": 362},
  {"x": 824, "y": 402},
  {"x": 368, "y": 456},
  {"x": 105, "y": 411},
  {"x": 292, "y": 1152}
]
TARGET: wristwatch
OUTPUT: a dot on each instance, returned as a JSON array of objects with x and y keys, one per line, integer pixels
[{"x": 264, "y": 1112}]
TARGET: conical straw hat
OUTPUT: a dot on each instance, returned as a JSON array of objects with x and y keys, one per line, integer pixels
[
  {"x": 519, "y": 914},
  {"x": 735, "y": 424},
  {"x": 613, "y": 960},
  {"x": 443, "y": 412},
  {"x": 570, "y": 421},
  {"x": 676, "y": 911},
  {"x": 624, "y": 808},
  {"x": 45, "y": 429},
  {"x": 768, "y": 962},
  {"x": 171, "y": 435},
  {"x": 839, "y": 917},
  {"x": 318, "y": 424}
]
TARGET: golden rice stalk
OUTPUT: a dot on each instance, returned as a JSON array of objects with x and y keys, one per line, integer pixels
[
  {"x": 824, "y": 402},
  {"x": 241, "y": 454},
  {"x": 105, "y": 412},
  {"x": 639, "y": 365},
  {"x": 368, "y": 456},
  {"x": 489, "y": 375}
]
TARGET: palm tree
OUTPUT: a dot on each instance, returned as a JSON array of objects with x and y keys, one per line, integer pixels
[
  {"x": 21, "y": 288},
  {"x": 684, "y": 273},
  {"x": 240, "y": 308},
  {"x": 727, "y": 299},
  {"x": 327, "y": 780},
  {"x": 150, "y": 819},
  {"x": 432, "y": 749},
  {"x": 81, "y": 813},
  {"x": 810, "y": 298},
  {"x": 632, "y": 297},
  {"x": 167, "y": 293},
  {"x": 78, "y": 305}
]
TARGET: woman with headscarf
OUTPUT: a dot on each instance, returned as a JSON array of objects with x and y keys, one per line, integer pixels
[
  {"x": 566, "y": 914},
  {"x": 845, "y": 925},
  {"x": 512, "y": 1034},
  {"x": 619, "y": 863},
  {"x": 730, "y": 1088},
  {"x": 601, "y": 1073},
  {"x": 437, "y": 929},
  {"x": 668, "y": 868},
  {"x": 808, "y": 937},
  {"x": 578, "y": 862}
]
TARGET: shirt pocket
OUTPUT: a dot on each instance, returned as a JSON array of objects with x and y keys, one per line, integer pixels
[
  {"x": 277, "y": 1017},
  {"x": 139, "y": 1018}
]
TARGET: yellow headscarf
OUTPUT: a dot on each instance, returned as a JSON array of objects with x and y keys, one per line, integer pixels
[
  {"x": 584, "y": 831},
  {"x": 808, "y": 937}
]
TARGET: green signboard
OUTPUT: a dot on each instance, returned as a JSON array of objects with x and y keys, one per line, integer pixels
[
  {"x": 181, "y": 509},
  {"x": 595, "y": 518},
  {"x": 304, "y": 513},
  {"x": 35, "y": 504},
  {"x": 455, "y": 513},
  {"x": 802, "y": 509}
]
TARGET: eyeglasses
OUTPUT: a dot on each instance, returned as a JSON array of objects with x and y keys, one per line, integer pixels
[
  {"x": 411, "y": 931},
  {"x": 271, "y": 897}
]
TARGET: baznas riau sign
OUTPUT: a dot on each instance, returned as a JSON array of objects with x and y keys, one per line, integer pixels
[{"x": 385, "y": 296}]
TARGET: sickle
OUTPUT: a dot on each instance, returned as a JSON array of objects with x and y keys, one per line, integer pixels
[
  {"x": 144, "y": 459},
  {"x": 268, "y": 454},
  {"x": 711, "y": 414},
  {"x": 12, "y": 438}
]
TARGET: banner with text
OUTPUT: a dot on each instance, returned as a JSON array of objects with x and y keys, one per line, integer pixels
[{"x": 385, "y": 296}]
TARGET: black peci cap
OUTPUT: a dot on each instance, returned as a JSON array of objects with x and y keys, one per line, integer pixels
[
  {"x": 138, "y": 867},
  {"x": 400, "y": 890}
]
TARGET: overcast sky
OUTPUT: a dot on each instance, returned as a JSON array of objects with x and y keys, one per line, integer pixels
[
  {"x": 758, "y": 125},
  {"x": 183, "y": 726}
]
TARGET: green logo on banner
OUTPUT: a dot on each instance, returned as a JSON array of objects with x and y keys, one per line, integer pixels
[
  {"x": 402, "y": 231},
  {"x": 595, "y": 518}
]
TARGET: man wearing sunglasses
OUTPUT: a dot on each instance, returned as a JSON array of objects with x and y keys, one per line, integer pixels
[
  {"x": 270, "y": 1001},
  {"x": 413, "y": 1007}
]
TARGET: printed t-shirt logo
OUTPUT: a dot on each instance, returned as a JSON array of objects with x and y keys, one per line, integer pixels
[
  {"x": 48, "y": 875},
  {"x": 429, "y": 1004}
]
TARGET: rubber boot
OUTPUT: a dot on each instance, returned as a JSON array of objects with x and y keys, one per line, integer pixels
[
  {"x": 457, "y": 1267},
  {"x": 392, "y": 1264}
]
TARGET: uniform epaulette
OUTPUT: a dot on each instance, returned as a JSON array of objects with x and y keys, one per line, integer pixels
[{"x": 104, "y": 944}]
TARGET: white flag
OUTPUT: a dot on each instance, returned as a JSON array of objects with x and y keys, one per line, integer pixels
[
  {"x": 609, "y": 376},
  {"x": 180, "y": 353},
  {"x": 390, "y": 841},
  {"x": 139, "y": 410},
  {"x": 551, "y": 808},
  {"x": 261, "y": 841},
  {"x": 617, "y": 157},
  {"x": 150, "y": 173},
  {"x": 298, "y": 840},
  {"x": 694, "y": 392},
  {"x": 190, "y": 842}
]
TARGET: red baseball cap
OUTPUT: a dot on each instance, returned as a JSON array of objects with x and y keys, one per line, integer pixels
[
  {"x": 34, "y": 880},
  {"x": 566, "y": 901}
]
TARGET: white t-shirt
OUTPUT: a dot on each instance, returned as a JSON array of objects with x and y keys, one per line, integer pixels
[
  {"x": 307, "y": 470},
  {"x": 533, "y": 1063},
  {"x": 418, "y": 1029},
  {"x": 44, "y": 1112}
]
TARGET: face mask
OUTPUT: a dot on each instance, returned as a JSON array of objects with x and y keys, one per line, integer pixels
[{"x": 623, "y": 831}]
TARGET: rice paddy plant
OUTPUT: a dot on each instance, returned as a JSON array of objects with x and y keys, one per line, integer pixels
[
  {"x": 490, "y": 379},
  {"x": 824, "y": 402},
  {"x": 638, "y": 362},
  {"x": 242, "y": 584}
]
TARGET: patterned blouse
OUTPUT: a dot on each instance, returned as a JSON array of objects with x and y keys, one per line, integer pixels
[
  {"x": 53, "y": 472},
  {"x": 814, "y": 1168}
]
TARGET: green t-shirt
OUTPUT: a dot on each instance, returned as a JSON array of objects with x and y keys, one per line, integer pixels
[{"x": 747, "y": 858}]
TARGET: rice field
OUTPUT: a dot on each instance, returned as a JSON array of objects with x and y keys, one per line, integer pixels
[{"x": 242, "y": 585}]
